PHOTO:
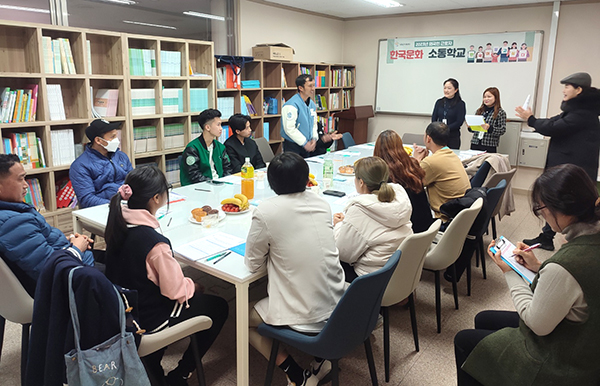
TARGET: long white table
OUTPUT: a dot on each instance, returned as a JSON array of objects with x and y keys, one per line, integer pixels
[{"x": 176, "y": 226}]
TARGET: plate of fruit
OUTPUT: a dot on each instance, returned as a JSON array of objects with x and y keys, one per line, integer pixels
[
  {"x": 238, "y": 204},
  {"x": 206, "y": 215},
  {"x": 311, "y": 181},
  {"x": 347, "y": 170}
]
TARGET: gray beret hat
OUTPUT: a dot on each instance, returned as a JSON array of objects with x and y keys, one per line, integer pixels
[{"x": 578, "y": 79}]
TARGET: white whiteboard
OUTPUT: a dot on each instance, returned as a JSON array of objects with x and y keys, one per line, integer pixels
[{"x": 410, "y": 80}]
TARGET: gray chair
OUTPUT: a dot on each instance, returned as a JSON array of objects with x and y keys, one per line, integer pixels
[
  {"x": 16, "y": 306},
  {"x": 410, "y": 138},
  {"x": 265, "y": 149},
  {"x": 402, "y": 285},
  {"x": 492, "y": 181}
]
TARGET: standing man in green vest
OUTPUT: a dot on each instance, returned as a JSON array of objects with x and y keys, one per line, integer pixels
[{"x": 205, "y": 158}]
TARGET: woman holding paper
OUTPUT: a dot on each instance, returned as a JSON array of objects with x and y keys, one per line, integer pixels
[
  {"x": 553, "y": 336},
  {"x": 451, "y": 110},
  {"x": 140, "y": 258},
  {"x": 487, "y": 135}
]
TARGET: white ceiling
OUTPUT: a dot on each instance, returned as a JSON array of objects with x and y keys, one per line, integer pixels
[{"x": 360, "y": 8}]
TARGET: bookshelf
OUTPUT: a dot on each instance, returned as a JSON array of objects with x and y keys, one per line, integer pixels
[
  {"x": 22, "y": 64},
  {"x": 336, "y": 81}
]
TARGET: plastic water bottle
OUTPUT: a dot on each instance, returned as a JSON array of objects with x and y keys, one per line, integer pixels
[
  {"x": 248, "y": 179},
  {"x": 328, "y": 171}
]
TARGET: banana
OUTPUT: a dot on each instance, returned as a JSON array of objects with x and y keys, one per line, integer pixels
[
  {"x": 234, "y": 201},
  {"x": 242, "y": 198},
  {"x": 311, "y": 176}
]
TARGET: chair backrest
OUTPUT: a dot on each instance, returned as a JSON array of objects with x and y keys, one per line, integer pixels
[
  {"x": 482, "y": 221},
  {"x": 348, "y": 140},
  {"x": 355, "y": 315},
  {"x": 411, "y": 138},
  {"x": 265, "y": 149},
  {"x": 15, "y": 303},
  {"x": 493, "y": 181},
  {"x": 481, "y": 175},
  {"x": 407, "y": 275},
  {"x": 447, "y": 250}
]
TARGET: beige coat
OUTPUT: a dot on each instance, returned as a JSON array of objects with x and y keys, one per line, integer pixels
[
  {"x": 292, "y": 235},
  {"x": 372, "y": 230}
]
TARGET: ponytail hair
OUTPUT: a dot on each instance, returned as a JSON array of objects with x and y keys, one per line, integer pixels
[
  {"x": 374, "y": 172},
  {"x": 569, "y": 190},
  {"x": 141, "y": 185}
]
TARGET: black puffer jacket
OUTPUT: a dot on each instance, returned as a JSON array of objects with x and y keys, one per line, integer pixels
[{"x": 575, "y": 133}]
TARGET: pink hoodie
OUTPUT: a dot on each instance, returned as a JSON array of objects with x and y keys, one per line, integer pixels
[{"x": 163, "y": 270}]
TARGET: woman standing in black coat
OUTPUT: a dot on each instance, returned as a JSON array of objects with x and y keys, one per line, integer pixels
[
  {"x": 451, "y": 110},
  {"x": 575, "y": 134}
]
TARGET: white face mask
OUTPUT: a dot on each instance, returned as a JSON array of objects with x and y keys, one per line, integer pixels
[{"x": 112, "y": 145}]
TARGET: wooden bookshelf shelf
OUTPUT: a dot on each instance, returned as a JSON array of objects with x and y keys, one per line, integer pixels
[{"x": 102, "y": 60}]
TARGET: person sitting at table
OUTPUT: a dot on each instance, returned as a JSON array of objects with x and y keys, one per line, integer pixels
[
  {"x": 374, "y": 223},
  {"x": 292, "y": 236},
  {"x": 445, "y": 175},
  {"x": 26, "y": 239},
  {"x": 405, "y": 171},
  {"x": 240, "y": 145},
  {"x": 552, "y": 338},
  {"x": 139, "y": 257},
  {"x": 205, "y": 158}
]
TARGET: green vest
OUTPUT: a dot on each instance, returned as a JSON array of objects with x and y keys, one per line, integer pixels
[
  {"x": 569, "y": 355},
  {"x": 202, "y": 160}
]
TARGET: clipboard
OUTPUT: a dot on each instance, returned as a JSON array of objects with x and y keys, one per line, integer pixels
[{"x": 506, "y": 251}]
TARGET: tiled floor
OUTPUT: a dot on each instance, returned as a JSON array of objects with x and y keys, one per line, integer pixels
[{"x": 433, "y": 365}]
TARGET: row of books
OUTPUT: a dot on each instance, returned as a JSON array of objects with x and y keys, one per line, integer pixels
[
  {"x": 226, "y": 106},
  {"x": 266, "y": 130},
  {"x": 172, "y": 100},
  {"x": 172, "y": 172},
  {"x": 63, "y": 148},
  {"x": 174, "y": 135},
  {"x": 320, "y": 78},
  {"x": 19, "y": 105},
  {"x": 143, "y": 101},
  {"x": 56, "y": 105},
  {"x": 144, "y": 139},
  {"x": 330, "y": 124},
  {"x": 321, "y": 102},
  {"x": 304, "y": 70},
  {"x": 170, "y": 63},
  {"x": 270, "y": 105},
  {"x": 247, "y": 106},
  {"x": 334, "y": 101},
  {"x": 346, "y": 99},
  {"x": 34, "y": 195},
  {"x": 225, "y": 134},
  {"x": 27, "y": 146},
  {"x": 228, "y": 77},
  {"x": 342, "y": 77},
  {"x": 65, "y": 195},
  {"x": 283, "y": 79},
  {"x": 250, "y": 83},
  {"x": 142, "y": 62},
  {"x": 58, "y": 57},
  {"x": 196, "y": 130},
  {"x": 198, "y": 99}
]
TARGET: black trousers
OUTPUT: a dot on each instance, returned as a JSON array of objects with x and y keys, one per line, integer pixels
[
  {"x": 454, "y": 141},
  {"x": 548, "y": 232},
  {"x": 212, "y": 306},
  {"x": 489, "y": 149},
  {"x": 486, "y": 323}
]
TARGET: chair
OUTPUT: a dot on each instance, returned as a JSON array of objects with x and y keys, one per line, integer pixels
[
  {"x": 151, "y": 343},
  {"x": 480, "y": 175},
  {"x": 447, "y": 250},
  {"x": 265, "y": 149},
  {"x": 350, "y": 324},
  {"x": 348, "y": 140},
  {"x": 411, "y": 138},
  {"x": 493, "y": 181},
  {"x": 405, "y": 279},
  {"x": 16, "y": 306},
  {"x": 481, "y": 225}
]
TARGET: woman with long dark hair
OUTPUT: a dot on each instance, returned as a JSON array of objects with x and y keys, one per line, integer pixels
[
  {"x": 552, "y": 338},
  {"x": 139, "y": 257},
  {"x": 451, "y": 110},
  {"x": 406, "y": 172},
  {"x": 495, "y": 122}
]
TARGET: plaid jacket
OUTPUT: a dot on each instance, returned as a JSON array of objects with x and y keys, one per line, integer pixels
[{"x": 497, "y": 128}]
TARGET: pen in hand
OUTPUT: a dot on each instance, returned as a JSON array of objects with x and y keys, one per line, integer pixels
[{"x": 531, "y": 248}]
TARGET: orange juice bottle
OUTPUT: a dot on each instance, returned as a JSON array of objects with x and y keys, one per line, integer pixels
[{"x": 248, "y": 179}]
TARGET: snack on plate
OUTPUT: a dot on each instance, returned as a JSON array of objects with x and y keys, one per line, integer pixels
[
  {"x": 311, "y": 181},
  {"x": 408, "y": 150},
  {"x": 238, "y": 203},
  {"x": 198, "y": 214},
  {"x": 347, "y": 169}
]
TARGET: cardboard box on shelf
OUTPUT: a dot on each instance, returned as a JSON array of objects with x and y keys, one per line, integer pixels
[{"x": 273, "y": 51}]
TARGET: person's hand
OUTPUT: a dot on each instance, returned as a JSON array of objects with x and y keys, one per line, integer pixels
[
  {"x": 522, "y": 113},
  {"x": 336, "y": 136},
  {"x": 199, "y": 288},
  {"x": 419, "y": 152},
  {"x": 485, "y": 127},
  {"x": 338, "y": 217},
  {"x": 498, "y": 258},
  {"x": 310, "y": 145},
  {"x": 326, "y": 137},
  {"x": 82, "y": 242},
  {"x": 526, "y": 259}
]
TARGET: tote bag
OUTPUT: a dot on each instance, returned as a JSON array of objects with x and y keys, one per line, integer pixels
[{"x": 114, "y": 362}]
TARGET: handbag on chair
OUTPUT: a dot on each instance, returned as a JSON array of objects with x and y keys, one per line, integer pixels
[{"x": 114, "y": 362}]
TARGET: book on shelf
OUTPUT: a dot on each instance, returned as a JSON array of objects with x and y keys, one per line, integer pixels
[
  {"x": 65, "y": 195},
  {"x": 172, "y": 170},
  {"x": 321, "y": 102},
  {"x": 106, "y": 101},
  {"x": 304, "y": 70},
  {"x": 266, "y": 130},
  {"x": 174, "y": 135},
  {"x": 18, "y": 105},
  {"x": 320, "y": 80},
  {"x": 247, "y": 106},
  {"x": 334, "y": 101},
  {"x": 27, "y": 147},
  {"x": 250, "y": 83},
  {"x": 48, "y": 55},
  {"x": 55, "y": 102},
  {"x": 226, "y": 106},
  {"x": 336, "y": 78},
  {"x": 196, "y": 131},
  {"x": 225, "y": 133},
  {"x": 172, "y": 100},
  {"x": 283, "y": 79},
  {"x": 270, "y": 106},
  {"x": 347, "y": 99},
  {"x": 170, "y": 63},
  {"x": 63, "y": 146},
  {"x": 88, "y": 48},
  {"x": 143, "y": 101},
  {"x": 69, "y": 54},
  {"x": 144, "y": 139},
  {"x": 142, "y": 62},
  {"x": 228, "y": 76},
  {"x": 198, "y": 99},
  {"x": 348, "y": 77},
  {"x": 34, "y": 195}
]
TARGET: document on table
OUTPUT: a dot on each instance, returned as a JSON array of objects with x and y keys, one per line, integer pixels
[
  {"x": 506, "y": 251},
  {"x": 174, "y": 197},
  {"x": 233, "y": 179},
  {"x": 209, "y": 245}
]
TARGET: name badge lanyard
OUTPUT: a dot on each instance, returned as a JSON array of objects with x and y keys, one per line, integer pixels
[{"x": 445, "y": 121}]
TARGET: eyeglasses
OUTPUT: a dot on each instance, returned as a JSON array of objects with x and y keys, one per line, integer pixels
[{"x": 536, "y": 210}]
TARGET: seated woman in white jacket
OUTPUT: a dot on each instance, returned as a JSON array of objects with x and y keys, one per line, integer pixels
[
  {"x": 374, "y": 223},
  {"x": 292, "y": 235}
]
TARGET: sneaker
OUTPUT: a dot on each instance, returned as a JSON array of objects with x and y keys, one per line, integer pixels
[
  {"x": 320, "y": 369},
  {"x": 546, "y": 242},
  {"x": 175, "y": 378},
  {"x": 309, "y": 379}
]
